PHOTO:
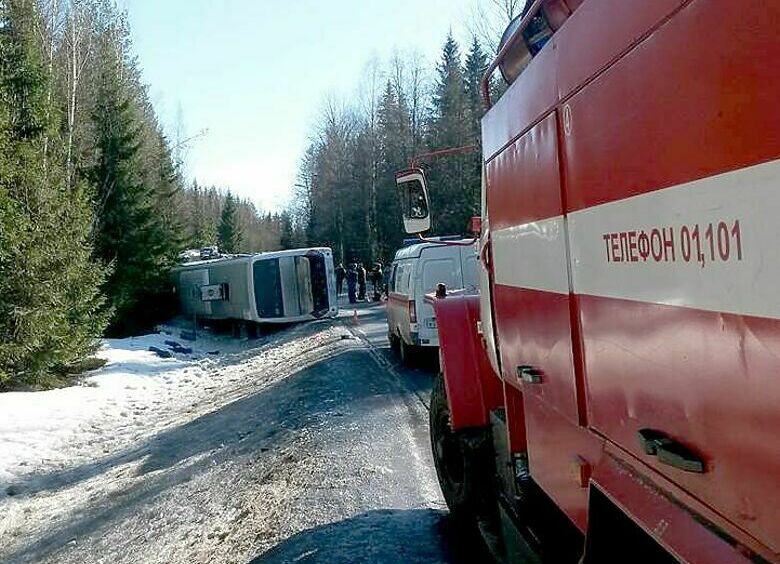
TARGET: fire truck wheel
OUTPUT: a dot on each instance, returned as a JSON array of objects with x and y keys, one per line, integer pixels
[{"x": 462, "y": 461}]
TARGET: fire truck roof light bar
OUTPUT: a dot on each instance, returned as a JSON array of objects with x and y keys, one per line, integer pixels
[{"x": 517, "y": 35}]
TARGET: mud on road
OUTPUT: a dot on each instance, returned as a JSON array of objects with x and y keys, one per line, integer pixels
[{"x": 317, "y": 452}]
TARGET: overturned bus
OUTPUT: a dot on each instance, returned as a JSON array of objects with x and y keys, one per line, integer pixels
[{"x": 277, "y": 287}]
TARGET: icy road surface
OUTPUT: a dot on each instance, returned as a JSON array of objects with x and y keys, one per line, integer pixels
[{"x": 310, "y": 445}]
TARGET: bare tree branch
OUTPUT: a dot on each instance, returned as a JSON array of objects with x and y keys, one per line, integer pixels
[{"x": 489, "y": 19}]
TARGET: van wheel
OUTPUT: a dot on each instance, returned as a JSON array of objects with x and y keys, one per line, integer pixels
[
  {"x": 408, "y": 353},
  {"x": 463, "y": 461},
  {"x": 394, "y": 341}
]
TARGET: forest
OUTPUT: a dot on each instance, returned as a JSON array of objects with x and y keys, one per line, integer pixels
[
  {"x": 346, "y": 196},
  {"x": 405, "y": 107},
  {"x": 95, "y": 206}
]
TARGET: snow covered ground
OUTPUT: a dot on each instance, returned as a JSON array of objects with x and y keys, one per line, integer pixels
[
  {"x": 116, "y": 404},
  {"x": 302, "y": 445},
  {"x": 51, "y": 439}
]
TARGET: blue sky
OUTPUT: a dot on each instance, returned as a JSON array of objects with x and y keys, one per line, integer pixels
[{"x": 254, "y": 73}]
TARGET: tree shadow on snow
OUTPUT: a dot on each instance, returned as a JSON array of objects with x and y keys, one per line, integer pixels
[
  {"x": 413, "y": 536},
  {"x": 255, "y": 421},
  {"x": 348, "y": 384}
]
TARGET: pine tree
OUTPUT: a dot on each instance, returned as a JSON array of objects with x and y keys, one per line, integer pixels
[
  {"x": 475, "y": 68},
  {"x": 131, "y": 235},
  {"x": 287, "y": 237},
  {"x": 396, "y": 141},
  {"x": 451, "y": 178},
  {"x": 229, "y": 231},
  {"x": 450, "y": 102},
  {"x": 51, "y": 309}
]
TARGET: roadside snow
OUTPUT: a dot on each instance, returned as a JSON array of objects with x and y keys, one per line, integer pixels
[
  {"x": 223, "y": 458},
  {"x": 132, "y": 396}
]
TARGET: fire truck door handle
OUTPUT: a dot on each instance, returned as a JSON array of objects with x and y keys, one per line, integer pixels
[
  {"x": 669, "y": 451},
  {"x": 529, "y": 374}
]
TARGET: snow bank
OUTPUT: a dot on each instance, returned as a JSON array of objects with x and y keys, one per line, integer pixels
[{"x": 47, "y": 430}]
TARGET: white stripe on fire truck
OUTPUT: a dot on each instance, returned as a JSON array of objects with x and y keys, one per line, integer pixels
[
  {"x": 532, "y": 256},
  {"x": 711, "y": 244}
]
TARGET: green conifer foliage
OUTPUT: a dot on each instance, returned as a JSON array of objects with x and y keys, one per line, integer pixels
[
  {"x": 51, "y": 310},
  {"x": 452, "y": 178},
  {"x": 287, "y": 238},
  {"x": 132, "y": 235},
  {"x": 475, "y": 68},
  {"x": 229, "y": 231}
]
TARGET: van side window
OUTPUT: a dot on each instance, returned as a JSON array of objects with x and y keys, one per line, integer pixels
[
  {"x": 399, "y": 279},
  {"x": 391, "y": 279},
  {"x": 402, "y": 273}
]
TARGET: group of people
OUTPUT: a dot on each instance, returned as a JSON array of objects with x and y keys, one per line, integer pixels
[{"x": 357, "y": 278}]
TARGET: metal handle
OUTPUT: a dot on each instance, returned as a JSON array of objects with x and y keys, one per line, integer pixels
[
  {"x": 529, "y": 374},
  {"x": 670, "y": 452}
]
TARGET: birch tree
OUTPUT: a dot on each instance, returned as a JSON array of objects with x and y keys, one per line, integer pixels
[
  {"x": 78, "y": 46},
  {"x": 370, "y": 92}
]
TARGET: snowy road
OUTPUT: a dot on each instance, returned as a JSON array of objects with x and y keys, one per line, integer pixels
[{"x": 310, "y": 447}]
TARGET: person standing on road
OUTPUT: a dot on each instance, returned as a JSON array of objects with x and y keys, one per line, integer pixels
[
  {"x": 376, "y": 281},
  {"x": 341, "y": 273},
  {"x": 361, "y": 280},
  {"x": 352, "y": 278}
]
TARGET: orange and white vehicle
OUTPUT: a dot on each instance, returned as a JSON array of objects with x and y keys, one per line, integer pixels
[{"x": 614, "y": 392}]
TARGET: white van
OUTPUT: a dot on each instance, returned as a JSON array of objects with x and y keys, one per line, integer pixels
[{"x": 416, "y": 271}]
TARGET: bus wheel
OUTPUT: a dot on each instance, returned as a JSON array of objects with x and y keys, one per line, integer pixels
[{"x": 462, "y": 459}]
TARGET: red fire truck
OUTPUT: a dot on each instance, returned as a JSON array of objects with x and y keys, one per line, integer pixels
[{"x": 614, "y": 391}]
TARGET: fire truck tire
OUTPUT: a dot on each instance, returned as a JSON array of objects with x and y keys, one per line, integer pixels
[{"x": 462, "y": 461}]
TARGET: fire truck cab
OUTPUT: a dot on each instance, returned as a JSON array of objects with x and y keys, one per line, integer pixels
[{"x": 613, "y": 394}]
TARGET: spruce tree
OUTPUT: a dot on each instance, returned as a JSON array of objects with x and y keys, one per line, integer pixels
[
  {"x": 167, "y": 198},
  {"x": 229, "y": 231},
  {"x": 450, "y": 102},
  {"x": 287, "y": 235},
  {"x": 202, "y": 232},
  {"x": 51, "y": 309},
  {"x": 396, "y": 141},
  {"x": 475, "y": 68},
  {"x": 131, "y": 236},
  {"x": 451, "y": 178}
]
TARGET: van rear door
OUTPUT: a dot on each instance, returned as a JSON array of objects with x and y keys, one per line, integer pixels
[
  {"x": 438, "y": 265},
  {"x": 469, "y": 270}
]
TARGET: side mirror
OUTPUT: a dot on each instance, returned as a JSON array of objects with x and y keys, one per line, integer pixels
[{"x": 414, "y": 200}]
